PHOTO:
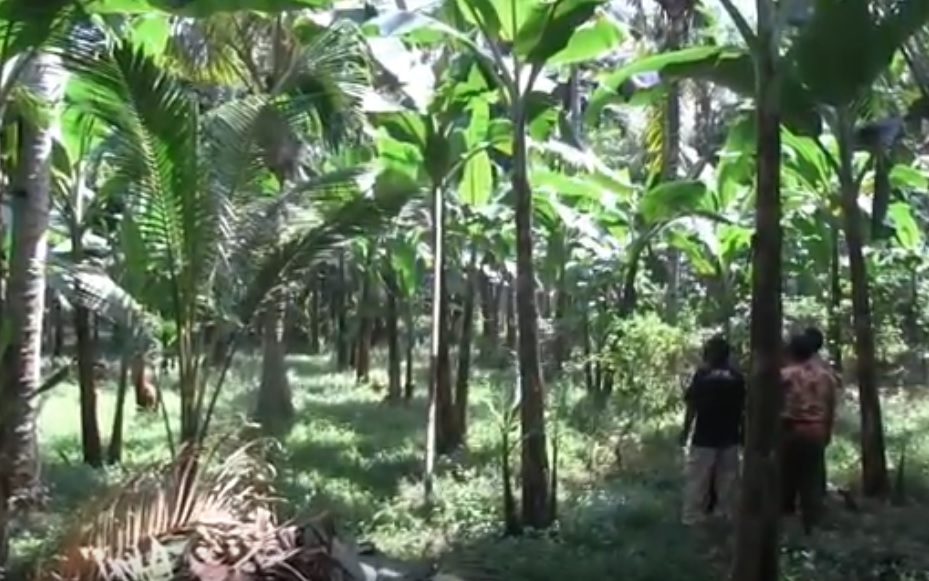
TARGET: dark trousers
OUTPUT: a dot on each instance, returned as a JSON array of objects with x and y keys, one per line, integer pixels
[{"x": 803, "y": 473}]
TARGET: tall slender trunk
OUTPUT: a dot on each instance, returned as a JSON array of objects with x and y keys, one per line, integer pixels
[
  {"x": 410, "y": 324},
  {"x": 90, "y": 427},
  {"x": 536, "y": 505},
  {"x": 25, "y": 304},
  {"x": 835, "y": 299},
  {"x": 58, "y": 326},
  {"x": 875, "y": 481},
  {"x": 463, "y": 378},
  {"x": 115, "y": 451},
  {"x": 508, "y": 295},
  {"x": 438, "y": 324},
  {"x": 340, "y": 301},
  {"x": 314, "y": 316},
  {"x": 91, "y": 445},
  {"x": 670, "y": 160},
  {"x": 394, "y": 357},
  {"x": 758, "y": 533},
  {"x": 365, "y": 326}
]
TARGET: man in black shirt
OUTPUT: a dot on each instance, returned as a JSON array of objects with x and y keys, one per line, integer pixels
[{"x": 713, "y": 425}]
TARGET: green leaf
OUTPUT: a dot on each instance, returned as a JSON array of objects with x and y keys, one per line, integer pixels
[
  {"x": 404, "y": 126},
  {"x": 199, "y": 8},
  {"x": 907, "y": 176},
  {"x": 399, "y": 156},
  {"x": 671, "y": 199},
  {"x": 477, "y": 176},
  {"x": 151, "y": 32},
  {"x": 591, "y": 41},
  {"x": 728, "y": 67},
  {"x": 486, "y": 14},
  {"x": 550, "y": 26},
  {"x": 610, "y": 84},
  {"x": 27, "y": 24},
  {"x": 845, "y": 46},
  {"x": 908, "y": 232}
]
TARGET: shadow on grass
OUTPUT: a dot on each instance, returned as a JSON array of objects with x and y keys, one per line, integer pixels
[{"x": 623, "y": 525}]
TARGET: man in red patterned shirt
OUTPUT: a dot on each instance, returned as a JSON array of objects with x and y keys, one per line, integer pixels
[{"x": 808, "y": 417}]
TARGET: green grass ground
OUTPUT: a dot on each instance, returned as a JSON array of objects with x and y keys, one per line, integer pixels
[{"x": 360, "y": 459}]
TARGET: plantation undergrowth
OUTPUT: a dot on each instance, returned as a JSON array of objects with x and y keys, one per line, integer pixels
[{"x": 360, "y": 459}]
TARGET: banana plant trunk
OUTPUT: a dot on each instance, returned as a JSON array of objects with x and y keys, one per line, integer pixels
[
  {"x": 365, "y": 326},
  {"x": 394, "y": 356},
  {"x": 874, "y": 477},
  {"x": 463, "y": 378},
  {"x": 30, "y": 199},
  {"x": 758, "y": 530},
  {"x": 536, "y": 506}
]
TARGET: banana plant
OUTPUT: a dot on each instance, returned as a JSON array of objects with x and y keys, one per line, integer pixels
[{"x": 838, "y": 50}]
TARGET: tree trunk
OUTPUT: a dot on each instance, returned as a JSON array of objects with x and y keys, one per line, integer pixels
[
  {"x": 90, "y": 427},
  {"x": 536, "y": 505},
  {"x": 875, "y": 482},
  {"x": 86, "y": 359},
  {"x": 275, "y": 402},
  {"x": 835, "y": 300},
  {"x": 115, "y": 452},
  {"x": 339, "y": 308},
  {"x": 463, "y": 378},
  {"x": 314, "y": 316},
  {"x": 440, "y": 360},
  {"x": 490, "y": 319},
  {"x": 509, "y": 297},
  {"x": 394, "y": 356},
  {"x": 410, "y": 345},
  {"x": 758, "y": 532},
  {"x": 25, "y": 302},
  {"x": 58, "y": 327},
  {"x": 365, "y": 330}
]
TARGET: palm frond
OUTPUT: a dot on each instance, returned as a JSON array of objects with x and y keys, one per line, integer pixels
[
  {"x": 29, "y": 25},
  {"x": 90, "y": 287},
  {"x": 329, "y": 79},
  {"x": 340, "y": 221},
  {"x": 179, "y": 219},
  {"x": 215, "y": 50},
  {"x": 152, "y": 520}
]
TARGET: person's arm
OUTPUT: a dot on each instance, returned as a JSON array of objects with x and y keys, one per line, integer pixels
[{"x": 690, "y": 409}]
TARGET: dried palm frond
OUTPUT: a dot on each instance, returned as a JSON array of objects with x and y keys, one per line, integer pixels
[{"x": 159, "y": 515}]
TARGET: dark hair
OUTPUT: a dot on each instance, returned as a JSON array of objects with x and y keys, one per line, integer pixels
[
  {"x": 801, "y": 347},
  {"x": 816, "y": 338},
  {"x": 716, "y": 351}
]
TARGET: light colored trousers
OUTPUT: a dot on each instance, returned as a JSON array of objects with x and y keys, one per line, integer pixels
[{"x": 702, "y": 467}]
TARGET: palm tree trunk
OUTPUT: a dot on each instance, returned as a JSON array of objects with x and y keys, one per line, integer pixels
[
  {"x": 25, "y": 306},
  {"x": 275, "y": 403}
]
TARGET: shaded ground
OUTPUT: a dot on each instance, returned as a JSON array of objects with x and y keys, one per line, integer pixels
[{"x": 353, "y": 455}]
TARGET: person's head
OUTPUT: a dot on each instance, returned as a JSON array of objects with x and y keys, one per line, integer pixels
[
  {"x": 801, "y": 348},
  {"x": 716, "y": 351},
  {"x": 816, "y": 338}
]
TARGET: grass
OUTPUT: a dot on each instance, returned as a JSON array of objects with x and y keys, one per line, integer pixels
[{"x": 354, "y": 456}]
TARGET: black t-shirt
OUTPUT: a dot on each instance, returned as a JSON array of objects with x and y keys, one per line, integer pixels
[{"x": 718, "y": 398}]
